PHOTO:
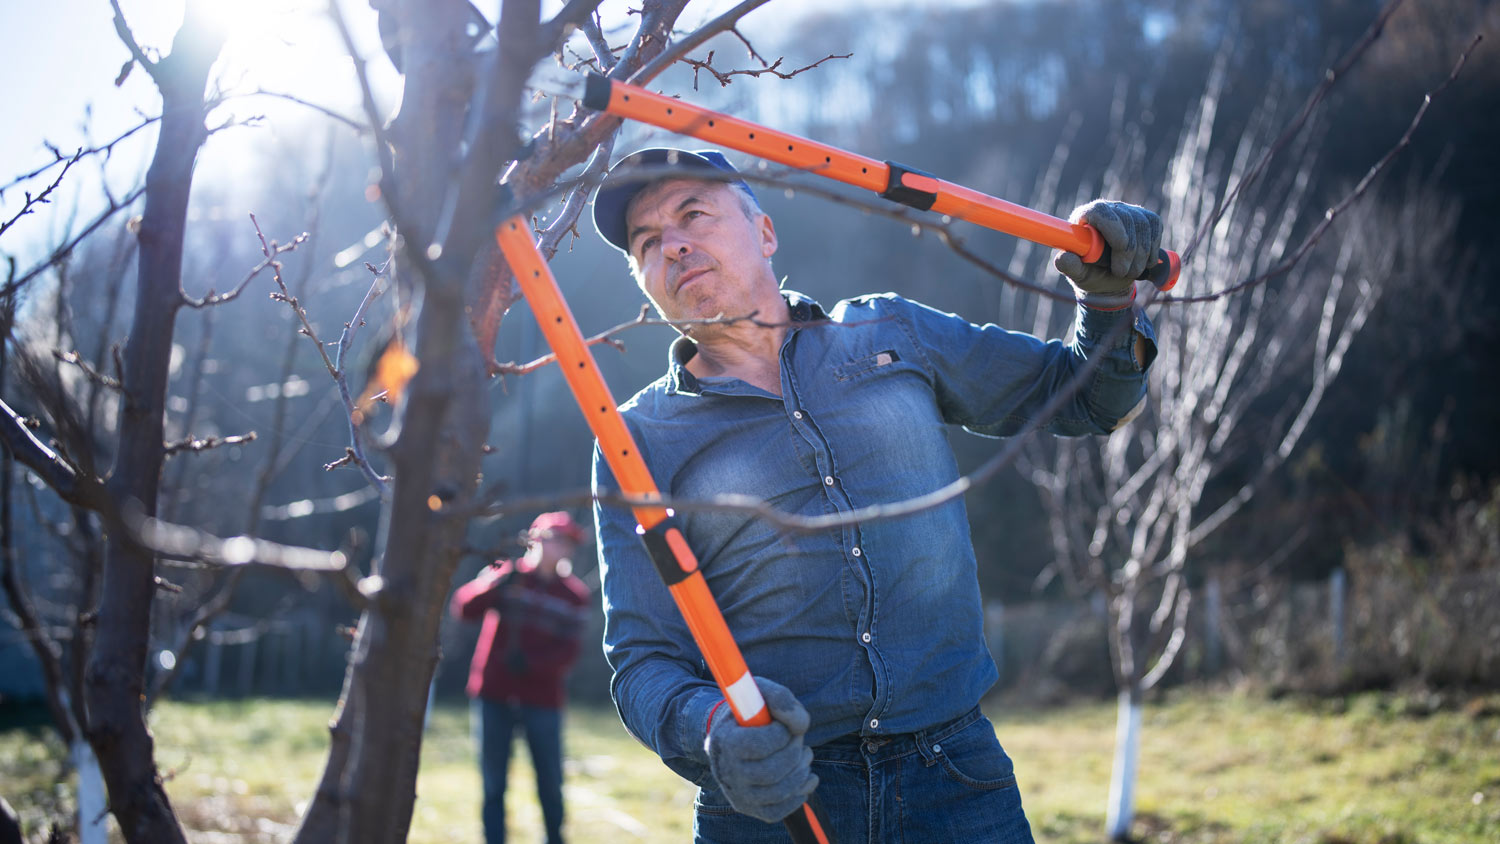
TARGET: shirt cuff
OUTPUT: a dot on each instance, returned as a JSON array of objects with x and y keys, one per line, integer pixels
[{"x": 692, "y": 724}]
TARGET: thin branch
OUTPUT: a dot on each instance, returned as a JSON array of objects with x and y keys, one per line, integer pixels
[
  {"x": 190, "y": 544},
  {"x": 722, "y": 23},
  {"x": 1358, "y": 191},
  {"x": 1332, "y": 76},
  {"x": 724, "y": 77},
  {"x": 128, "y": 39},
  {"x": 359, "y": 128},
  {"x": 70, "y": 484},
  {"x": 59, "y": 158},
  {"x": 271, "y": 252},
  {"x": 354, "y": 453},
  {"x": 197, "y": 444},
  {"x": 270, "y": 249},
  {"x": 41, "y": 198},
  {"x": 62, "y": 252},
  {"x": 89, "y": 372},
  {"x": 643, "y": 318}
]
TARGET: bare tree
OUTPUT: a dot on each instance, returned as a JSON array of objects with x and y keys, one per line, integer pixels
[{"x": 1232, "y": 396}]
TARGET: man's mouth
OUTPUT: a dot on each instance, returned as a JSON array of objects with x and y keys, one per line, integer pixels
[{"x": 687, "y": 276}]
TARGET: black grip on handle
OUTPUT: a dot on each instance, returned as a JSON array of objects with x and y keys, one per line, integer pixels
[
  {"x": 1163, "y": 273},
  {"x": 808, "y": 825}
]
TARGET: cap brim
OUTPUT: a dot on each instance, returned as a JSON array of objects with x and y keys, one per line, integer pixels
[{"x": 634, "y": 173}]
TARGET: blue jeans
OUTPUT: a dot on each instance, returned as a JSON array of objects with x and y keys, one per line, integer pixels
[
  {"x": 494, "y": 724},
  {"x": 947, "y": 784}
]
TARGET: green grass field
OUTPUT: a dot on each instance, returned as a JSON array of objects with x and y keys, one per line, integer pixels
[{"x": 1371, "y": 769}]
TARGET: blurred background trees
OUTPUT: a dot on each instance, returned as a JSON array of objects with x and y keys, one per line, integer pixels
[{"x": 1390, "y": 483}]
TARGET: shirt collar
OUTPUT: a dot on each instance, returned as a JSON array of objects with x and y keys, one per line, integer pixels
[{"x": 803, "y": 309}]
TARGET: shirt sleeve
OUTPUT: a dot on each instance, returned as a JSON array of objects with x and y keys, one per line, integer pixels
[
  {"x": 473, "y": 599},
  {"x": 995, "y": 382},
  {"x": 660, "y": 684}
]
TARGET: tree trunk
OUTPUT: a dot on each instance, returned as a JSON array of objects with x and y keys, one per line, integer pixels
[
  {"x": 115, "y": 680},
  {"x": 1121, "y": 808}
]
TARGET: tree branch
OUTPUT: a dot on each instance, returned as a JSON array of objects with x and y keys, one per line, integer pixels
[{"x": 42, "y": 198}]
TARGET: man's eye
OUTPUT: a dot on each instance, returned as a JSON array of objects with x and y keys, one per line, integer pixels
[
  {"x": 692, "y": 214},
  {"x": 648, "y": 244}
]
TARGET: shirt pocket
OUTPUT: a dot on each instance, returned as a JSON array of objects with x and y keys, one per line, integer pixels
[{"x": 865, "y": 365}]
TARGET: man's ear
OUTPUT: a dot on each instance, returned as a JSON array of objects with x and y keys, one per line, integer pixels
[{"x": 767, "y": 231}]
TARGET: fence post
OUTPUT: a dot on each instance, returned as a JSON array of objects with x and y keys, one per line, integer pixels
[
  {"x": 994, "y": 623},
  {"x": 247, "y": 664},
  {"x": 1338, "y": 585},
  {"x": 215, "y": 661},
  {"x": 1213, "y": 608}
]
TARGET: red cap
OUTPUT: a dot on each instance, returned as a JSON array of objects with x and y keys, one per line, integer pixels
[{"x": 558, "y": 524}]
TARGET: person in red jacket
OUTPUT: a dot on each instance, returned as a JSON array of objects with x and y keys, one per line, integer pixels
[{"x": 534, "y": 612}]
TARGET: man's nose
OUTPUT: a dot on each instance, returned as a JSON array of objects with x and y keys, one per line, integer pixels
[{"x": 675, "y": 244}]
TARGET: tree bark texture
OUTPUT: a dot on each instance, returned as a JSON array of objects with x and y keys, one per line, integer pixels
[
  {"x": 115, "y": 680},
  {"x": 440, "y": 199}
]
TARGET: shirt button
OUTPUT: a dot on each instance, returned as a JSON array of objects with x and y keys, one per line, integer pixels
[
  {"x": 866, "y": 637},
  {"x": 828, "y": 480},
  {"x": 856, "y": 552},
  {"x": 874, "y": 723},
  {"x": 937, "y": 748},
  {"x": 796, "y": 414}
]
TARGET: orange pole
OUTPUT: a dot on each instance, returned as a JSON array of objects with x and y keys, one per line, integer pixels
[
  {"x": 664, "y": 540},
  {"x": 892, "y": 181}
]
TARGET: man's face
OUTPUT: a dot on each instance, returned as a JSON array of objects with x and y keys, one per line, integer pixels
[{"x": 696, "y": 252}]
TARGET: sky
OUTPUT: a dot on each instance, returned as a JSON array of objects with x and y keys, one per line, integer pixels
[{"x": 64, "y": 55}]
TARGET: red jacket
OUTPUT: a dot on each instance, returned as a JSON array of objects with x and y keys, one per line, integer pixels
[{"x": 531, "y": 633}]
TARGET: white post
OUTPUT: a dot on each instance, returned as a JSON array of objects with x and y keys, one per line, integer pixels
[
  {"x": 1121, "y": 809},
  {"x": 994, "y": 623},
  {"x": 213, "y": 662},
  {"x": 1337, "y": 585},
  {"x": 93, "y": 801},
  {"x": 1213, "y": 607},
  {"x": 247, "y": 664}
]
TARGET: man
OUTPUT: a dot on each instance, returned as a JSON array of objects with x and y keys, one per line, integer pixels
[
  {"x": 534, "y": 611},
  {"x": 867, "y": 639}
]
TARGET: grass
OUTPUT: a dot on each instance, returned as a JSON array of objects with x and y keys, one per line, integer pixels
[{"x": 1369, "y": 769}]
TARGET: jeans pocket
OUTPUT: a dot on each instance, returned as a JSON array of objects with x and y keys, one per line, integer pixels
[
  {"x": 712, "y": 802},
  {"x": 973, "y": 757}
]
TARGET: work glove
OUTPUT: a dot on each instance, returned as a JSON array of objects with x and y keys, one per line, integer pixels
[
  {"x": 1133, "y": 237},
  {"x": 765, "y": 772}
]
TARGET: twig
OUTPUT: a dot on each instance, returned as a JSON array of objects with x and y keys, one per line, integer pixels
[
  {"x": 71, "y": 485},
  {"x": 59, "y": 158},
  {"x": 196, "y": 444},
  {"x": 190, "y": 544},
  {"x": 1332, "y": 76},
  {"x": 271, "y": 252},
  {"x": 89, "y": 372},
  {"x": 130, "y": 43},
  {"x": 724, "y": 76},
  {"x": 359, "y": 128},
  {"x": 354, "y": 453},
  {"x": 671, "y": 54},
  {"x": 1333, "y": 212},
  {"x": 41, "y": 198},
  {"x": 62, "y": 252}
]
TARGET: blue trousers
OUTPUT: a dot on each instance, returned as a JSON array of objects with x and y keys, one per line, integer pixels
[
  {"x": 949, "y": 784},
  {"x": 494, "y": 725}
]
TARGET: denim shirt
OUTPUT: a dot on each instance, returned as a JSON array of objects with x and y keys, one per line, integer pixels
[{"x": 877, "y": 628}]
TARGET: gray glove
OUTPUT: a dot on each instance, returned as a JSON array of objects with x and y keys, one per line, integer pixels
[
  {"x": 765, "y": 772},
  {"x": 1132, "y": 237}
]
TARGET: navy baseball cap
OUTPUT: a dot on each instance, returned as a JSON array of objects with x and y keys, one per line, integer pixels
[{"x": 622, "y": 184}]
